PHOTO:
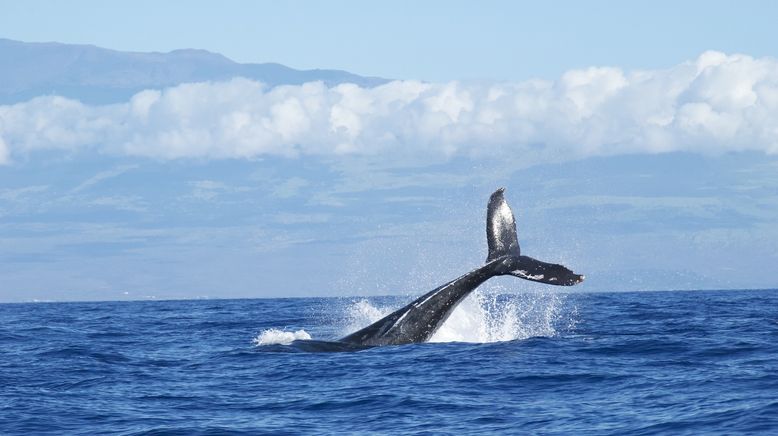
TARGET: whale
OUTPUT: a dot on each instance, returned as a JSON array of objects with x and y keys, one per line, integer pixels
[{"x": 420, "y": 319}]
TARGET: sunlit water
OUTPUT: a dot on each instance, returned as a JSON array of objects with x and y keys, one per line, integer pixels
[{"x": 551, "y": 363}]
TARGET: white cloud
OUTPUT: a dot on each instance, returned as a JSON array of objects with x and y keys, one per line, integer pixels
[
  {"x": 207, "y": 190},
  {"x": 5, "y": 154},
  {"x": 103, "y": 175},
  {"x": 713, "y": 104},
  {"x": 121, "y": 202},
  {"x": 20, "y": 194}
]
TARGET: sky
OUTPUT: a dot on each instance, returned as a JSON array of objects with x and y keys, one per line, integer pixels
[
  {"x": 638, "y": 146},
  {"x": 426, "y": 40}
]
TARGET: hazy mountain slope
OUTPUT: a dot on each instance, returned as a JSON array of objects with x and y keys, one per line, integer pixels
[{"x": 97, "y": 75}]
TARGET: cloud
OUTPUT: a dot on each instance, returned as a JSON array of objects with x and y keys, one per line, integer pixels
[
  {"x": 300, "y": 218},
  {"x": 5, "y": 154},
  {"x": 15, "y": 201},
  {"x": 713, "y": 104},
  {"x": 290, "y": 187},
  {"x": 103, "y": 175},
  {"x": 20, "y": 194},
  {"x": 207, "y": 190},
  {"x": 121, "y": 202}
]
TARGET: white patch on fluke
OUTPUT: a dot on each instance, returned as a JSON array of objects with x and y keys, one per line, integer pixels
[{"x": 529, "y": 276}]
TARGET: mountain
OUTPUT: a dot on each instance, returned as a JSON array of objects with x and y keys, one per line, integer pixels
[{"x": 100, "y": 76}]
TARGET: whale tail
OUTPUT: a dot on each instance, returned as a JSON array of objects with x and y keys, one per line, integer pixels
[
  {"x": 504, "y": 243},
  {"x": 419, "y": 320},
  {"x": 500, "y": 228}
]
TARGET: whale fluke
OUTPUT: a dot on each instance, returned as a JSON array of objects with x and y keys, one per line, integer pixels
[
  {"x": 500, "y": 228},
  {"x": 551, "y": 273},
  {"x": 419, "y": 320}
]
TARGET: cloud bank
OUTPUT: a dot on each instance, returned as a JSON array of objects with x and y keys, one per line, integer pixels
[{"x": 716, "y": 103}]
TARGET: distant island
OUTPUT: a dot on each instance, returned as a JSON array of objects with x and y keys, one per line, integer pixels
[{"x": 98, "y": 75}]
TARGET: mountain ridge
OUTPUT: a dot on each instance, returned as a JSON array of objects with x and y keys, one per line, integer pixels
[{"x": 97, "y": 75}]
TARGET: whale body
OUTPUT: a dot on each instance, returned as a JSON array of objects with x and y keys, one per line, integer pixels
[{"x": 420, "y": 319}]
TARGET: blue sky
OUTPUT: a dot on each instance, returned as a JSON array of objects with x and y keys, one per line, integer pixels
[
  {"x": 637, "y": 144},
  {"x": 427, "y": 40}
]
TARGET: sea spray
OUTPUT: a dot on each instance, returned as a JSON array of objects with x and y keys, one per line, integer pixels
[
  {"x": 279, "y": 337},
  {"x": 490, "y": 317},
  {"x": 484, "y": 316},
  {"x": 362, "y": 313}
]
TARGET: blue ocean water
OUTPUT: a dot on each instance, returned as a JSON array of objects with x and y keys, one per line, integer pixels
[{"x": 547, "y": 363}]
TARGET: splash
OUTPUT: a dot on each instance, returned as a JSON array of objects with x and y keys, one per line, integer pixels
[
  {"x": 488, "y": 317},
  {"x": 363, "y": 313},
  {"x": 484, "y": 317},
  {"x": 279, "y": 337}
]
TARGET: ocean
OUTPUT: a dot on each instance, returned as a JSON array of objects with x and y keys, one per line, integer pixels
[{"x": 693, "y": 362}]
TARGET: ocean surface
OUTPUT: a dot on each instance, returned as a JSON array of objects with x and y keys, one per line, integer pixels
[{"x": 535, "y": 363}]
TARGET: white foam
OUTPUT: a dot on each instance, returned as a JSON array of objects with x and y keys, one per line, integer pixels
[
  {"x": 482, "y": 317},
  {"x": 276, "y": 336},
  {"x": 362, "y": 313},
  {"x": 487, "y": 317}
]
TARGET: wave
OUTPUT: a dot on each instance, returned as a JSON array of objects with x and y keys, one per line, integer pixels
[{"x": 280, "y": 337}]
